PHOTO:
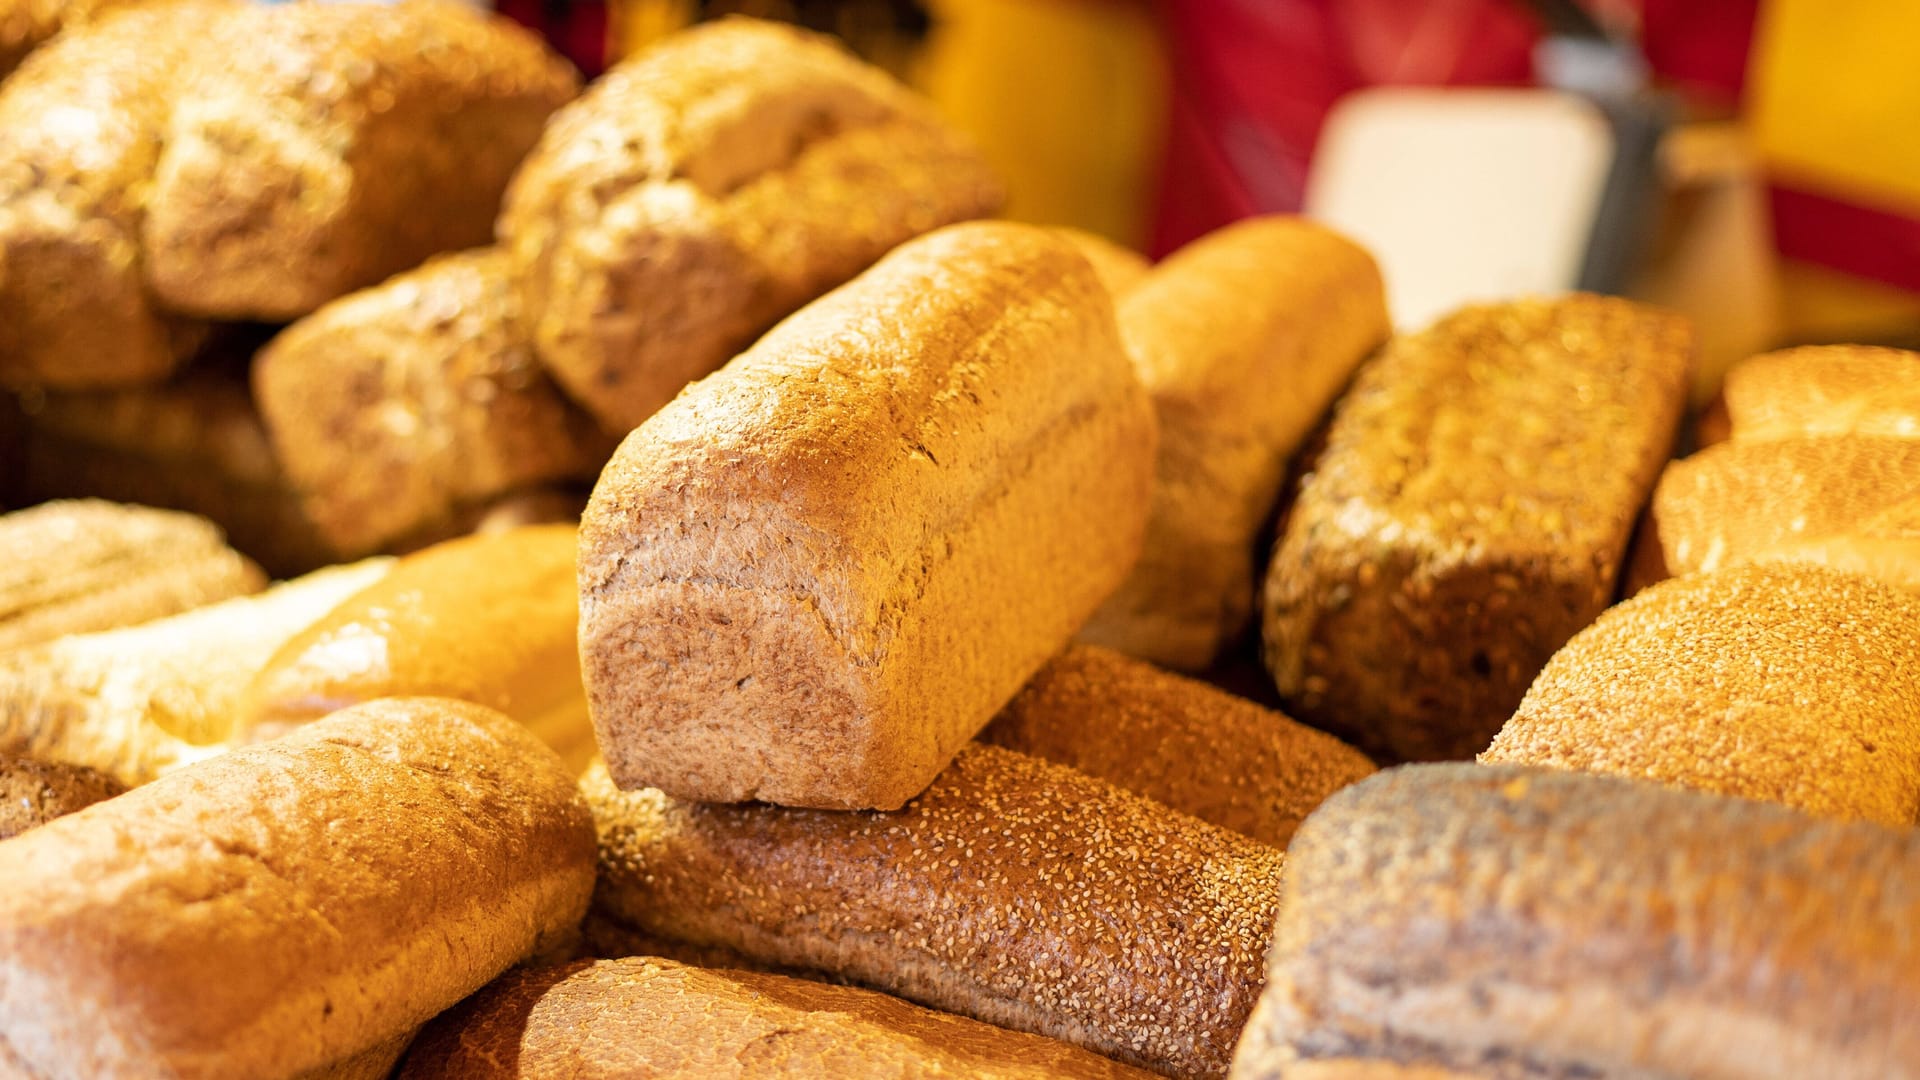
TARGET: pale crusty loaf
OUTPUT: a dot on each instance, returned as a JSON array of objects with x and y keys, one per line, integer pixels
[
  {"x": 1792, "y": 684},
  {"x": 1118, "y": 268},
  {"x": 138, "y": 701},
  {"x": 1825, "y": 390},
  {"x": 81, "y": 565},
  {"x": 1468, "y": 515},
  {"x": 293, "y": 904},
  {"x": 1014, "y": 891},
  {"x": 1512, "y": 923},
  {"x": 394, "y": 407},
  {"x": 709, "y": 186},
  {"x": 613, "y": 1019},
  {"x": 819, "y": 572},
  {"x": 25, "y": 25},
  {"x": 1243, "y": 338},
  {"x": 1885, "y": 546},
  {"x": 33, "y": 793},
  {"x": 1181, "y": 742}
]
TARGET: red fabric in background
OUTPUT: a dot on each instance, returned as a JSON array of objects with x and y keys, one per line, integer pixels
[{"x": 577, "y": 29}]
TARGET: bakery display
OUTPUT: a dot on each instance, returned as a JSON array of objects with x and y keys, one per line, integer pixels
[
  {"x": 33, "y": 793},
  {"x": 1508, "y": 922},
  {"x": 1243, "y": 338},
  {"x": 1468, "y": 515},
  {"x": 838, "y": 557}
]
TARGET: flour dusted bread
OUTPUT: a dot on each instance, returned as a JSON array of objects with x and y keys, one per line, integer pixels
[
  {"x": 710, "y": 185},
  {"x": 1793, "y": 684},
  {"x": 606, "y": 1019},
  {"x": 1243, "y": 338},
  {"x": 1181, "y": 742},
  {"x": 817, "y": 573},
  {"x": 1468, "y": 515},
  {"x": 291, "y": 905},
  {"x": 1457, "y": 920},
  {"x": 1014, "y": 891},
  {"x": 33, "y": 793}
]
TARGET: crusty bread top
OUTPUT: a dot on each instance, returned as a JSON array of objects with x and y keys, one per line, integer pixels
[
  {"x": 1825, "y": 390},
  {"x": 25, "y": 25},
  {"x": 35, "y": 792},
  {"x": 639, "y": 1016},
  {"x": 1792, "y": 684},
  {"x": 1118, "y": 268}
]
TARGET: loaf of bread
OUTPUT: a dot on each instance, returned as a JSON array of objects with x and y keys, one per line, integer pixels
[
  {"x": 613, "y": 1019},
  {"x": 76, "y": 566},
  {"x": 1243, "y": 338},
  {"x": 1014, "y": 891},
  {"x": 818, "y": 573},
  {"x": 394, "y": 407},
  {"x": 1468, "y": 515},
  {"x": 1792, "y": 684},
  {"x": 33, "y": 793},
  {"x": 707, "y": 187},
  {"x": 1825, "y": 390},
  {"x": 141, "y": 700},
  {"x": 1118, "y": 268},
  {"x": 1516, "y": 923},
  {"x": 1885, "y": 546},
  {"x": 1181, "y": 742},
  {"x": 489, "y": 619},
  {"x": 292, "y": 905},
  {"x": 25, "y": 25}
]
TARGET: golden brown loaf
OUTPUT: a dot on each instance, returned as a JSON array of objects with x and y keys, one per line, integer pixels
[
  {"x": 394, "y": 407},
  {"x": 488, "y": 619},
  {"x": 1468, "y": 515},
  {"x": 1792, "y": 684},
  {"x": 1885, "y": 546},
  {"x": 82, "y": 565},
  {"x": 25, "y": 25},
  {"x": 141, "y": 700},
  {"x": 1825, "y": 390},
  {"x": 1243, "y": 338},
  {"x": 614, "y": 1019},
  {"x": 1118, "y": 268},
  {"x": 702, "y": 190},
  {"x": 1178, "y": 741},
  {"x": 33, "y": 793},
  {"x": 1014, "y": 891},
  {"x": 293, "y": 904},
  {"x": 1511, "y": 923},
  {"x": 819, "y": 572}
]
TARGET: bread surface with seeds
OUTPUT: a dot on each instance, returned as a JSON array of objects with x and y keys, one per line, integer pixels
[
  {"x": 34, "y": 792},
  {"x": 1014, "y": 891}
]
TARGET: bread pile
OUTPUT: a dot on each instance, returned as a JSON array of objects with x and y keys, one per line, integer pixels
[{"x": 836, "y": 738}]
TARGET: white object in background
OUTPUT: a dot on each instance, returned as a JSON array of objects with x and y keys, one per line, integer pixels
[{"x": 1463, "y": 195}]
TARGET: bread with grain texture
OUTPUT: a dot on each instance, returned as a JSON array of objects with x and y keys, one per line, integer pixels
[
  {"x": 1178, "y": 741},
  {"x": 1014, "y": 891},
  {"x": 710, "y": 185},
  {"x": 818, "y": 573},
  {"x": 1243, "y": 338},
  {"x": 33, "y": 793},
  {"x": 640, "y": 1016},
  {"x": 81, "y": 565},
  {"x": 293, "y": 904},
  {"x": 1468, "y": 515},
  {"x": 1790, "y": 684},
  {"x": 393, "y": 408},
  {"x": 1519, "y": 923}
]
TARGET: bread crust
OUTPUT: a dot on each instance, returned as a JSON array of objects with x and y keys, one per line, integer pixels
[
  {"x": 1119, "y": 268},
  {"x": 1825, "y": 390},
  {"x": 819, "y": 572},
  {"x": 33, "y": 793}
]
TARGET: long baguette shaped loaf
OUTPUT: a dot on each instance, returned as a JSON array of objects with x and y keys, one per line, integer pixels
[
  {"x": 640, "y": 1016},
  {"x": 1524, "y": 924},
  {"x": 1468, "y": 515},
  {"x": 707, "y": 187},
  {"x": 1178, "y": 741},
  {"x": 818, "y": 573},
  {"x": 1792, "y": 684},
  {"x": 1014, "y": 891},
  {"x": 290, "y": 905},
  {"x": 1243, "y": 338}
]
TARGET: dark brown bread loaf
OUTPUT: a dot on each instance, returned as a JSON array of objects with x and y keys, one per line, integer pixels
[
  {"x": 709, "y": 186},
  {"x": 1181, "y": 742},
  {"x": 1468, "y": 515},
  {"x": 33, "y": 792},
  {"x": 818, "y": 573},
  {"x": 290, "y": 905},
  {"x": 1524, "y": 924},
  {"x": 613, "y": 1019},
  {"x": 1014, "y": 891}
]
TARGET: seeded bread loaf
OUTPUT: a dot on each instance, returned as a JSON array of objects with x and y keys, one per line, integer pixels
[
  {"x": 818, "y": 573},
  {"x": 1468, "y": 515},
  {"x": 291, "y": 905},
  {"x": 1512, "y": 923},
  {"x": 1014, "y": 891},
  {"x": 1243, "y": 338},
  {"x": 609, "y": 1019},
  {"x": 709, "y": 186},
  {"x": 33, "y": 793},
  {"x": 1181, "y": 742}
]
